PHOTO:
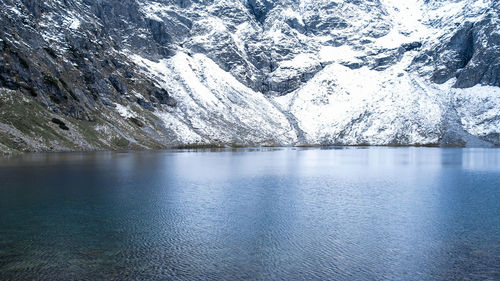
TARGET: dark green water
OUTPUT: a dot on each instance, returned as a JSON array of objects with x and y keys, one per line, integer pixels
[{"x": 285, "y": 214}]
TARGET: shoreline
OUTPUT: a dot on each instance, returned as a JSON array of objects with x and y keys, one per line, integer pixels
[{"x": 237, "y": 147}]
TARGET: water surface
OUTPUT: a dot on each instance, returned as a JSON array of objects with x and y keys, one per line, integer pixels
[{"x": 265, "y": 214}]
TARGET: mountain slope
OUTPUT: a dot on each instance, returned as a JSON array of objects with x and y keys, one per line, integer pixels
[{"x": 91, "y": 74}]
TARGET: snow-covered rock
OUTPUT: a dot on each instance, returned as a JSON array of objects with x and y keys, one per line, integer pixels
[{"x": 259, "y": 72}]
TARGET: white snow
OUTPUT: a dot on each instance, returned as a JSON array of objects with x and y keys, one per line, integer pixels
[
  {"x": 291, "y": 14},
  {"x": 15, "y": 11},
  {"x": 406, "y": 17},
  {"x": 124, "y": 111},
  {"x": 213, "y": 106},
  {"x": 479, "y": 109},
  {"x": 153, "y": 10},
  {"x": 75, "y": 24},
  {"x": 342, "y": 53},
  {"x": 300, "y": 61},
  {"x": 363, "y": 106},
  {"x": 339, "y": 104}
]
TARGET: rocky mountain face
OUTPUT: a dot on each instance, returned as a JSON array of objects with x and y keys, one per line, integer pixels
[{"x": 137, "y": 74}]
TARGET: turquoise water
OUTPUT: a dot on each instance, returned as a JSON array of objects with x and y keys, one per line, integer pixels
[{"x": 265, "y": 214}]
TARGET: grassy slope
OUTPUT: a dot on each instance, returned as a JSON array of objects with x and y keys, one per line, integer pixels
[{"x": 26, "y": 126}]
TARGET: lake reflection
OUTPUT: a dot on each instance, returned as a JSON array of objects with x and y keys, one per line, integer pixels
[{"x": 284, "y": 214}]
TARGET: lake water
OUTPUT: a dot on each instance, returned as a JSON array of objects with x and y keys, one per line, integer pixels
[{"x": 259, "y": 214}]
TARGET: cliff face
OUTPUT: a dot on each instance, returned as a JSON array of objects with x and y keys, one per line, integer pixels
[{"x": 125, "y": 74}]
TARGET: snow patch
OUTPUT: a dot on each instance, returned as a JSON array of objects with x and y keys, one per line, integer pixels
[
  {"x": 124, "y": 111},
  {"x": 153, "y": 10},
  {"x": 75, "y": 24},
  {"x": 354, "y": 106},
  {"x": 406, "y": 17},
  {"x": 343, "y": 53},
  {"x": 212, "y": 106},
  {"x": 479, "y": 109},
  {"x": 15, "y": 11},
  {"x": 291, "y": 14},
  {"x": 300, "y": 61}
]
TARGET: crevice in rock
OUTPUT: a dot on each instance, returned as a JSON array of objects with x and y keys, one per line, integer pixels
[
  {"x": 259, "y": 9},
  {"x": 468, "y": 50}
]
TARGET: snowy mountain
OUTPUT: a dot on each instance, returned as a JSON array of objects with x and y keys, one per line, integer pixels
[{"x": 135, "y": 74}]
